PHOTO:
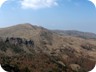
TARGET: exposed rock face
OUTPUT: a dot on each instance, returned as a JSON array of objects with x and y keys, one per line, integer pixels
[
  {"x": 75, "y": 67},
  {"x": 19, "y": 41},
  {"x": 27, "y": 48}
]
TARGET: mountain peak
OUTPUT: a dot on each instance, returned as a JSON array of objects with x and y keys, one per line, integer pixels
[
  {"x": 25, "y": 30},
  {"x": 27, "y": 25}
]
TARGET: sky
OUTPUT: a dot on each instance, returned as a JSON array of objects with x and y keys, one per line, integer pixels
[{"x": 52, "y": 14}]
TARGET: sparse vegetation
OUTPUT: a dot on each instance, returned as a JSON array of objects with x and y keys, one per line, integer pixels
[{"x": 35, "y": 49}]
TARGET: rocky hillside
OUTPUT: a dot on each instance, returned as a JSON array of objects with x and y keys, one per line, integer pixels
[{"x": 28, "y": 48}]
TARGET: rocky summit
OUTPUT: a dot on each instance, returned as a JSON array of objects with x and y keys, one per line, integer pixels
[{"x": 29, "y": 48}]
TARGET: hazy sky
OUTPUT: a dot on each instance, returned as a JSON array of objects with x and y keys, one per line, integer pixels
[{"x": 52, "y": 14}]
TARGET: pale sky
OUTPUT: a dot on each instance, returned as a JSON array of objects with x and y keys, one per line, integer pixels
[{"x": 52, "y": 14}]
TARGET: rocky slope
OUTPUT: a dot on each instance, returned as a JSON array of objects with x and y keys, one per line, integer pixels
[{"x": 28, "y": 48}]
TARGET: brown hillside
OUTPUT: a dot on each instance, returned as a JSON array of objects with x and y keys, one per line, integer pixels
[{"x": 36, "y": 49}]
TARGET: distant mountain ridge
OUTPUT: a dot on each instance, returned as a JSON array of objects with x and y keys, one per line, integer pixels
[{"x": 76, "y": 33}]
